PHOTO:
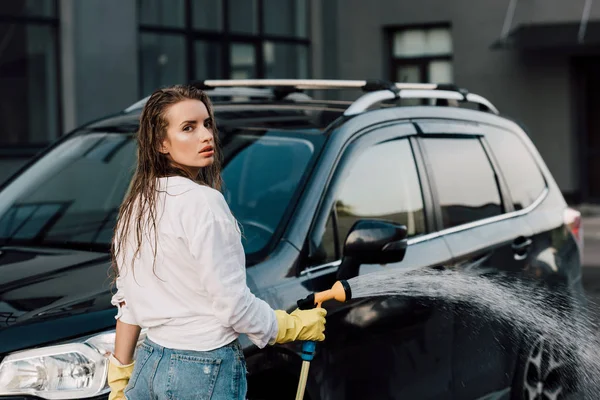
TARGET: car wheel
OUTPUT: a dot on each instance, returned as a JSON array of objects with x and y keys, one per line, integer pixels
[{"x": 544, "y": 372}]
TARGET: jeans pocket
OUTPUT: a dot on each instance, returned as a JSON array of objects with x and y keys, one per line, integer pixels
[
  {"x": 143, "y": 354},
  {"x": 192, "y": 377}
]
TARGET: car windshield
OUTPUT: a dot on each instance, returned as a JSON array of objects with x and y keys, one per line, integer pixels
[{"x": 70, "y": 197}]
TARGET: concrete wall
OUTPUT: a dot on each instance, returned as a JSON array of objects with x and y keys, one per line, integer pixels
[
  {"x": 549, "y": 11},
  {"x": 533, "y": 88}
]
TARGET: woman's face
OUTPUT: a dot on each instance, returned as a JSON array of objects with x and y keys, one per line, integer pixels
[{"x": 189, "y": 141}]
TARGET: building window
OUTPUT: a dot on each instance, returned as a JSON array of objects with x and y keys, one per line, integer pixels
[
  {"x": 29, "y": 75},
  {"x": 283, "y": 60},
  {"x": 243, "y": 16},
  {"x": 421, "y": 54},
  {"x": 185, "y": 40},
  {"x": 161, "y": 60}
]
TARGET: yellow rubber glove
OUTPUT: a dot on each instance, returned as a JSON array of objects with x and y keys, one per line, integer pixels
[
  {"x": 301, "y": 325},
  {"x": 118, "y": 378}
]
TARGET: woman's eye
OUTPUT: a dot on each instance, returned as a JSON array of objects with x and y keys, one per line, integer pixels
[
  {"x": 208, "y": 123},
  {"x": 187, "y": 128}
]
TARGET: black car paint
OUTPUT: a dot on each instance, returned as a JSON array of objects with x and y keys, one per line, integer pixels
[
  {"x": 376, "y": 348},
  {"x": 53, "y": 295}
]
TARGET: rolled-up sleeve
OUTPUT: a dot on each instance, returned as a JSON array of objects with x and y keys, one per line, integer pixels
[
  {"x": 119, "y": 300},
  {"x": 216, "y": 246}
]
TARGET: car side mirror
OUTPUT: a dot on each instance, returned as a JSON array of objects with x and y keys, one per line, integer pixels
[{"x": 372, "y": 242}]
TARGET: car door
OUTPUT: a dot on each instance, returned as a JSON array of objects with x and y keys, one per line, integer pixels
[
  {"x": 554, "y": 256},
  {"x": 381, "y": 347},
  {"x": 475, "y": 219}
]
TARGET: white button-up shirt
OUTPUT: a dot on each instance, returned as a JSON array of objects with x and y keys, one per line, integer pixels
[{"x": 195, "y": 296}]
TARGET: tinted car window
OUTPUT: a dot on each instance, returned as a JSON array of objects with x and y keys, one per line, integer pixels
[
  {"x": 464, "y": 180},
  {"x": 330, "y": 246},
  {"x": 521, "y": 172},
  {"x": 382, "y": 183},
  {"x": 71, "y": 196},
  {"x": 261, "y": 179}
]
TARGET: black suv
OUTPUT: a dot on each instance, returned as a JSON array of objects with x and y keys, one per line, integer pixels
[{"x": 467, "y": 185}]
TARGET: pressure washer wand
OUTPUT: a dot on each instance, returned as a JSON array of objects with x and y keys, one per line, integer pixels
[
  {"x": 308, "y": 352},
  {"x": 341, "y": 292}
]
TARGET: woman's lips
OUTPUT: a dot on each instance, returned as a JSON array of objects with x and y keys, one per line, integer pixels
[{"x": 207, "y": 151}]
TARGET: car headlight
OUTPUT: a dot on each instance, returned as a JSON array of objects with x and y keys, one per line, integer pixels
[{"x": 73, "y": 370}]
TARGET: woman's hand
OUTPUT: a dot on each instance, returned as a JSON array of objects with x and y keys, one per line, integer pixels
[
  {"x": 301, "y": 325},
  {"x": 120, "y": 364},
  {"x": 118, "y": 378}
]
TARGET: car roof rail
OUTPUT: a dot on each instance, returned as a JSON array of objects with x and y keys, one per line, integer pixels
[
  {"x": 217, "y": 92},
  {"x": 301, "y": 84},
  {"x": 443, "y": 97},
  {"x": 377, "y": 91}
]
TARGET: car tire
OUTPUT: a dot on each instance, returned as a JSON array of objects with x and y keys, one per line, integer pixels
[
  {"x": 547, "y": 367},
  {"x": 544, "y": 372}
]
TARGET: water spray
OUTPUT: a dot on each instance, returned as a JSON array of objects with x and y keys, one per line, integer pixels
[{"x": 341, "y": 292}]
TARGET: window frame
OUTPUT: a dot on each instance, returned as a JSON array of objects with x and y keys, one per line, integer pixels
[
  {"x": 422, "y": 62},
  {"x": 350, "y": 152},
  {"x": 28, "y": 149},
  {"x": 429, "y": 127},
  {"x": 493, "y": 156},
  {"x": 225, "y": 38},
  {"x": 505, "y": 206}
]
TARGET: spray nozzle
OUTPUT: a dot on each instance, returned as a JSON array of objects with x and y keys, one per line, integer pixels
[{"x": 340, "y": 291}]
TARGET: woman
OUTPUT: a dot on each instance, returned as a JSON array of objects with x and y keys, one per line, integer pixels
[{"x": 179, "y": 262}]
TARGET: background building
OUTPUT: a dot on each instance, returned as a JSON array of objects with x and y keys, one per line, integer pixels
[
  {"x": 536, "y": 60},
  {"x": 66, "y": 62}
]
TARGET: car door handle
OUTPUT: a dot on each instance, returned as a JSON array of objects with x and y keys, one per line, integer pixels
[{"x": 521, "y": 247}]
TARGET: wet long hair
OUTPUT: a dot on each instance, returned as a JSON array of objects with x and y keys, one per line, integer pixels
[{"x": 139, "y": 204}]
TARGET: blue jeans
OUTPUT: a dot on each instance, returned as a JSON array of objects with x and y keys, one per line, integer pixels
[{"x": 162, "y": 373}]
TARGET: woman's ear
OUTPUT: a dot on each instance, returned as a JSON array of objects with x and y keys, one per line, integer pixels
[{"x": 164, "y": 147}]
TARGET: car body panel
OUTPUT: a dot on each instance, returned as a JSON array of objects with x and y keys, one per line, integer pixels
[
  {"x": 407, "y": 337},
  {"x": 388, "y": 347},
  {"x": 63, "y": 294}
]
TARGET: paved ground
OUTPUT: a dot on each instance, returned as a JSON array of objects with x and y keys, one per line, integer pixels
[
  {"x": 591, "y": 260},
  {"x": 591, "y": 237}
]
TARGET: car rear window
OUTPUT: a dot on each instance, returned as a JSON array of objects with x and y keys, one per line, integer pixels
[{"x": 522, "y": 174}]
